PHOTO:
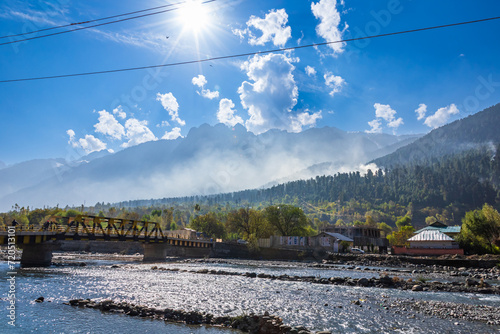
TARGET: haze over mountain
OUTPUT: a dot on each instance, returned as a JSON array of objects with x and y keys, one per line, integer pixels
[{"x": 209, "y": 160}]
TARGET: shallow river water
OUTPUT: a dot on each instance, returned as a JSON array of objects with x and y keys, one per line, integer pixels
[{"x": 315, "y": 306}]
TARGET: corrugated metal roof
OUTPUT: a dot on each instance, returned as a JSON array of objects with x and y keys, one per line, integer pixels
[
  {"x": 339, "y": 236},
  {"x": 430, "y": 235},
  {"x": 447, "y": 229}
]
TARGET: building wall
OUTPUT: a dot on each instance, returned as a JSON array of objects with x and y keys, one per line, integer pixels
[
  {"x": 426, "y": 251},
  {"x": 433, "y": 244}
]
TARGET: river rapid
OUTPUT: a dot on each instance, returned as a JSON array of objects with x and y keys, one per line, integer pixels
[{"x": 339, "y": 309}]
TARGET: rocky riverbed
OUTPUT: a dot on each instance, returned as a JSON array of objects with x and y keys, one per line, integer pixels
[
  {"x": 383, "y": 281},
  {"x": 252, "y": 323}
]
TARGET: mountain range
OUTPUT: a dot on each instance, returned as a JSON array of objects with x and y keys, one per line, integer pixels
[{"x": 209, "y": 160}]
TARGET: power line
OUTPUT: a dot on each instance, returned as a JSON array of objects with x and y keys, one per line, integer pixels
[
  {"x": 97, "y": 25},
  {"x": 252, "y": 53},
  {"x": 94, "y": 20}
]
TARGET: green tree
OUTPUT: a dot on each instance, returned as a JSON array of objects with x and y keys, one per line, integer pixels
[
  {"x": 209, "y": 224},
  {"x": 480, "y": 229},
  {"x": 400, "y": 238},
  {"x": 287, "y": 220},
  {"x": 403, "y": 221},
  {"x": 386, "y": 229}
]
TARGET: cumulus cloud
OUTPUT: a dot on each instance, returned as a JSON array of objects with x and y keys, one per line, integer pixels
[
  {"x": 421, "y": 111},
  {"x": 328, "y": 27},
  {"x": 375, "y": 125},
  {"x": 174, "y": 134},
  {"x": 273, "y": 28},
  {"x": 137, "y": 132},
  {"x": 386, "y": 113},
  {"x": 71, "y": 135},
  {"x": 119, "y": 112},
  {"x": 334, "y": 82},
  {"x": 226, "y": 113},
  {"x": 311, "y": 71},
  {"x": 169, "y": 103},
  {"x": 201, "y": 81},
  {"x": 441, "y": 116},
  {"x": 304, "y": 119},
  {"x": 108, "y": 125},
  {"x": 271, "y": 92},
  {"x": 91, "y": 144}
]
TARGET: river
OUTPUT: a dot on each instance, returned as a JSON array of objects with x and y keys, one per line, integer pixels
[{"x": 315, "y": 306}]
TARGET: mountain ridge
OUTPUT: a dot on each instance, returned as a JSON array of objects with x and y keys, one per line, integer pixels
[{"x": 210, "y": 159}]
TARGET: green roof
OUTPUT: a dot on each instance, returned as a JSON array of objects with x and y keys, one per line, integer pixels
[{"x": 446, "y": 229}]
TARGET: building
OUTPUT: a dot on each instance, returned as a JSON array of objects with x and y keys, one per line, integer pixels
[
  {"x": 185, "y": 233},
  {"x": 430, "y": 242},
  {"x": 451, "y": 231},
  {"x": 364, "y": 237},
  {"x": 333, "y": 242}
]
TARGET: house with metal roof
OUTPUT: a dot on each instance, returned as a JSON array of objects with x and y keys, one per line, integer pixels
[
  {"x": 430, "y": 242},
  {"x": 432, "y": 239},
  {"x": 451, "y": 231}
]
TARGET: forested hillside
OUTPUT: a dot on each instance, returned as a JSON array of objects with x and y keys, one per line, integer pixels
[
  {"x": 478, "y": 130},
  {"x": 446, "y": 189}
]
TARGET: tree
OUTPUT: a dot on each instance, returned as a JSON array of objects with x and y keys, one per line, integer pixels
[
  {"x": 480, "y": 229},
  {"x": 239, "y": 221},
  {"x": 286, "y": 219},
  {"x": 403, "y": 221},
  {"x": 386, "y": 229},
  {"x": 209, "y": 224},
  {"x": 400, "y": 238}
]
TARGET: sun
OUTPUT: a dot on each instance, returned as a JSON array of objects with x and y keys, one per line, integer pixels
[{"x": 194, "y": 16}]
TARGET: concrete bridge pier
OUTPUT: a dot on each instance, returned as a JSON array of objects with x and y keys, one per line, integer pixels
[
  {"x": 155, "y": 252},
  {"x": 37, "y": 255}
]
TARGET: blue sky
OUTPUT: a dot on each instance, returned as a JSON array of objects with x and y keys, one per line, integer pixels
[{"x": 399, "y": 85}]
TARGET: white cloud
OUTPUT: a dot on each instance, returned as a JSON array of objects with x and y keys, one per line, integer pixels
[
  {"x": 328, "y": 28},
  {"x": 226, "y": 113},
  {"x": 108, "y": 125},
  {"x": 376, "y": 126},
  {"x": 273, "y": 28},
  {"x": 169, "y": 102},
  {"x": 395, "y": 123},
  {"x": 119, "y": 111},
  {"x": 305, "y": 119},
  {"x": 386, "y": 113},
  {"x": 71, "y": 135},
  {"x": 441, "y": 116},
  {"x": 163, "y": 124},
  {"x": 271, "y": 92},
  {"x": 334, "y": 82},
  {"x": 91, "y": 144},
  {"x": 421, "y": 111},
  {"x": 174, "y": 134},
  {"x": 311, "y": 71},
  {"x": 137, "y": 132},
  {"x": 199, "y": 81}
]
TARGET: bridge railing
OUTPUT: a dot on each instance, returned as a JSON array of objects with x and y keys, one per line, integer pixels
[{"x": 88, "y": 225}]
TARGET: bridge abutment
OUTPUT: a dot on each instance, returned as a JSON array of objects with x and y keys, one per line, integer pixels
[
  {"x": 37, "y": 255},
  {"x": 155, "y": 252}
]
